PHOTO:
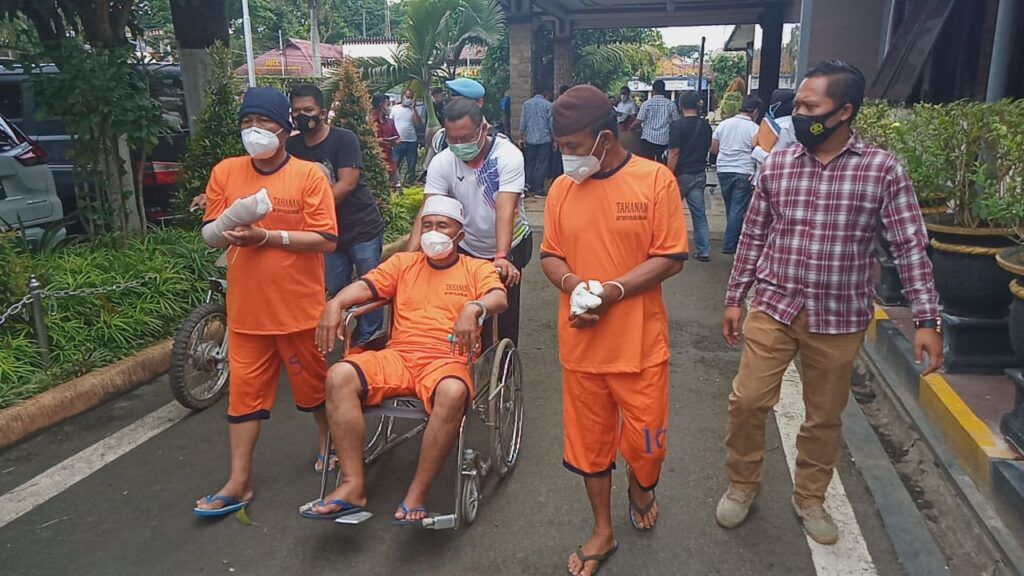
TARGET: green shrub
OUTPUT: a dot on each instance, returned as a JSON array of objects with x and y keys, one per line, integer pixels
[
  {"x": 345, "y": 87},
  {"x": 88, "y": 332},
  {"x": 400, "y": 211},
  {"x": 730, "y": 105},
  {"x": 215, "y": 135}
]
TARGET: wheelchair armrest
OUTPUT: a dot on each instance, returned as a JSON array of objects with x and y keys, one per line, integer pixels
[{"x": 352, "y": 314}]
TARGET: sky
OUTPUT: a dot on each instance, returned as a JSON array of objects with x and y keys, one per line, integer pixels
[{"x": 716, "y": 35}]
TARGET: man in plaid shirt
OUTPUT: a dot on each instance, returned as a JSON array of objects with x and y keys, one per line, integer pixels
[
  {"x": 655, "y": 116},
  {"x": 807, "y": 244}
]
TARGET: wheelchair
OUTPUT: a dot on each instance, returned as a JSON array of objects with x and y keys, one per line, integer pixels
[{"x": 497, "y": 407}]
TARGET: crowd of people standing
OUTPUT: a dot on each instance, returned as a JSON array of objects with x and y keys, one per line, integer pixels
[{"x": 804, "y": 197}]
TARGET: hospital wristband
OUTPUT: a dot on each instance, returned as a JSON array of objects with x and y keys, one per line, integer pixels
[{"x": 622, "y": 290}]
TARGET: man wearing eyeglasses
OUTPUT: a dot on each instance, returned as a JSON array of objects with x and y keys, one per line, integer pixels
[{"x": 486, "y": 174}]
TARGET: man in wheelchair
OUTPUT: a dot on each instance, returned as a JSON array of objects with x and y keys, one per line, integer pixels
[{"x": 439, "y": 300}]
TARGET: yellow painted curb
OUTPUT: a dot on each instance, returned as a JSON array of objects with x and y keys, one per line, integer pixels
[
  {"x": 83, "y": 393},
  {"x": 968, "y": 436},
  {"x": 872, "y": 332}
]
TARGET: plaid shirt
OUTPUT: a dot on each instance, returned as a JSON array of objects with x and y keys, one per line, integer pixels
[
  {"x": 535, "y": 120},
  {"x": 656, "y": 113},
  {"x": 808, "y": 236}
]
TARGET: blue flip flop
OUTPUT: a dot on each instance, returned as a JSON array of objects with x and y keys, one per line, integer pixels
[
  {"x": 407, "y": 511},
  {"x": 230, "y": 505},
  {"x": 330, "y": 461},
  {"x": 344, "y": 509}
]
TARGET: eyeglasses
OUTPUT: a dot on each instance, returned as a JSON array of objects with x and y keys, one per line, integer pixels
[{"x": 469, "y": 140}]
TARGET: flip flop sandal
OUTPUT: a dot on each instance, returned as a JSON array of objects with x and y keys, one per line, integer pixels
[
  {"x": 344, "y": 509},
  {"x": 599, "y": 558},
  {"x": 407, "y": 511},
  {"x": 230, "y": 505},
  {"x": 640, "y": 511},
  {"x": 318, "y": 464}
]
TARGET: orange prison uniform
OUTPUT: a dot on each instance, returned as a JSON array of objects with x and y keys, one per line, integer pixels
[
  {"x": 275, "y": 297},
  {"x": 617, "y": 370},
  {"x": 426, "y": 302}
]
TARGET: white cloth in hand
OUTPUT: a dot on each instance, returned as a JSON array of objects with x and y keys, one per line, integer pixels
[
  {"x": 585, "y": 297},
  {"x": 244, "y": 211}
]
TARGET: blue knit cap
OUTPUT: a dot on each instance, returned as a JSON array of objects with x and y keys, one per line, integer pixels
[{"x": 268, "y": 102}]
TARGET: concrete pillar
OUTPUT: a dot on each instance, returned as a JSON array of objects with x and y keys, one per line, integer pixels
[
  {"x": 563, "y": 55},
  {"x": 520, "y": 66},
  {"x": 1002, "y": 50},
  {"x": 771, "y": 51}
]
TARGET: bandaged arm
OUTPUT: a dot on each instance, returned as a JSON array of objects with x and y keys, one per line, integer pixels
[{"x": 244, "y": 211}]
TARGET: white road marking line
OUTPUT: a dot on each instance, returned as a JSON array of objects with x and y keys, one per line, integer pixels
[
  {"x": 849, "y": 556},
  {"x": 65, "y": 474}
]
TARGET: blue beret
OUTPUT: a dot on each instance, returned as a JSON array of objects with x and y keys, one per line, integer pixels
[
  {"x": 466, "y": 87},
  {"x": 268, "y": 102}
]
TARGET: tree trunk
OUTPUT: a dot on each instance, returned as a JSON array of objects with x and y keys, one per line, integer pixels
[
  {"x": 120, "y": 187},
  {"x": 198, "y": 25}
]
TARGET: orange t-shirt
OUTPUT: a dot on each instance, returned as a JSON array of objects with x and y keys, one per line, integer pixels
[
  {"x": 273, "y": 291},
  {"x": 603, "y": 228},
  {"x": 426, "y": 300}
]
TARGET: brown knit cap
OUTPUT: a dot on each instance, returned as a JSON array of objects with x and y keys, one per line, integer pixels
[{"x": 578, "y": 109}]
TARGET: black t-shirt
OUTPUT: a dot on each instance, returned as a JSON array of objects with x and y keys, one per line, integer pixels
[
  {"x": 358, "y": 217},
  {"x": 692, "y": 135}
]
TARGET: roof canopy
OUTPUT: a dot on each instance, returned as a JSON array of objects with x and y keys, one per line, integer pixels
[{"x": 659, "y": 13}]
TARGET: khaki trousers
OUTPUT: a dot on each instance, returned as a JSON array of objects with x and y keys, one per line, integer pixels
[{"x": 827, "y": 361}]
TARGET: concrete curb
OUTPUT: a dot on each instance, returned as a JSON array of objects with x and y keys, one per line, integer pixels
[
  {"x": 961, "y": 441},
  {"x": 92, "y": 389},
  {"x": 83, "y": 393}
]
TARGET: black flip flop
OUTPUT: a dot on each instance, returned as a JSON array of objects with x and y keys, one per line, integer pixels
[
  {"x": 599, "y": 558},
  {"x": 640, "y": 511}
]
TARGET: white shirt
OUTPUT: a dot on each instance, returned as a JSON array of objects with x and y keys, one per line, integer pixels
[
  {"x": 478, "y": 188},
  {"x": 735, "y": 138},
  {"x": 625, "y": 110},
  {"x": 403, "y": 118}
]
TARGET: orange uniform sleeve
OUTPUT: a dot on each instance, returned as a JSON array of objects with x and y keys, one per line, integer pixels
[
  {"x": 551, "y": 244},
  {"x": 669, "y": 229},
  {"x": 485, "y": 278},
  {"x": 384, "y": 279},
  {"x": 216, "y": 202},
  {"x": 766, "y": 137},
  {"x": 318, "y": 205}
]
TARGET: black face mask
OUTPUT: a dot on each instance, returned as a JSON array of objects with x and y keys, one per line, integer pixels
[
  {"x": 305, "y": 123},
  {"x": 811, "y": 131}
]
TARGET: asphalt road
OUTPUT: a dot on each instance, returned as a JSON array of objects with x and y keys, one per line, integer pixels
[{"x": 133, "y": 515}]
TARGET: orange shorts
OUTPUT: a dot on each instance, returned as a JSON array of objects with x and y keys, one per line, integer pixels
[
  {"x": 605, "y": 412},
  {"x": 387, "y": 373},
  {"x": 256, "y": 361}
]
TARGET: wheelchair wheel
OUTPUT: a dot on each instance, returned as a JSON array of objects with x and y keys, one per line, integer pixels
[
  {"x": 199, "y": 357},
  {"x": 470, "y": 500},
  {"x": 507, "y": 391}
]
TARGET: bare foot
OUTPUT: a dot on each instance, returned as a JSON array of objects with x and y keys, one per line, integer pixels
[
  {"x": 597, "y": 544},
  {"x": 347, "y": 492},
  {"x": 240, "y": 492}
]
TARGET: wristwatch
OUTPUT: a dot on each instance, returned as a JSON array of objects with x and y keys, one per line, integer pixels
[
  {"x": 285, "y": 238},
  {"x": 932, "y": 323}
]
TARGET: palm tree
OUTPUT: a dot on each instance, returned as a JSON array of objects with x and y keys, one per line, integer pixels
[
  {"x": 602, "y": 64},
  {"x": 433, "y": 34}
]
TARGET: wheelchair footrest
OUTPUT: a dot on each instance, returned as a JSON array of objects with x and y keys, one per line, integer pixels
[{"x": 439, "y": 522}]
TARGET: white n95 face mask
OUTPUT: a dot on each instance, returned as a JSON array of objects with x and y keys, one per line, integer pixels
[
  {"x": 579, "y": 168},
  {"x": 436, "y": 245},
  {"x": 260, "y": 143}
]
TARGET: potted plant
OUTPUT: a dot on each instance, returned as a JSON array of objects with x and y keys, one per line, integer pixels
[{"x": 945, "y": 148}]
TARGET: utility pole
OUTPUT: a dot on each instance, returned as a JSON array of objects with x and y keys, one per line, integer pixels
[
  {"x": 280, "y": 43},
  {"x": 387, "y": 19},
  {"x": 250, "y": 62},
  {"x": 364, "y": 22},
  {"x": 314, "y": 38},
  {"x": 700, "y": 77}
]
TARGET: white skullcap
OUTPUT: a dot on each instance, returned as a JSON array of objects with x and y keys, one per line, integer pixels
[{"x": 438, "y": 205}]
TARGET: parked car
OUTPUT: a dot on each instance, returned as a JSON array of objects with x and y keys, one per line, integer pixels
[
  {"x": 161, "y": 169},
  {"x": 28, "y": 195}
]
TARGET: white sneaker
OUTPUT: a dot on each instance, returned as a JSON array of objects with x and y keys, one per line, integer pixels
[
  {"x": 817, "y": 523},
  {"x": 734, "y": 506}
]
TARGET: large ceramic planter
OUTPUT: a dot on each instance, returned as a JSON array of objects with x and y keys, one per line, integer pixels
[
  {"x": 889, "y": 286},
  {"x": 970, "y": 282},
  {"x": 1012, "y": 260}
]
